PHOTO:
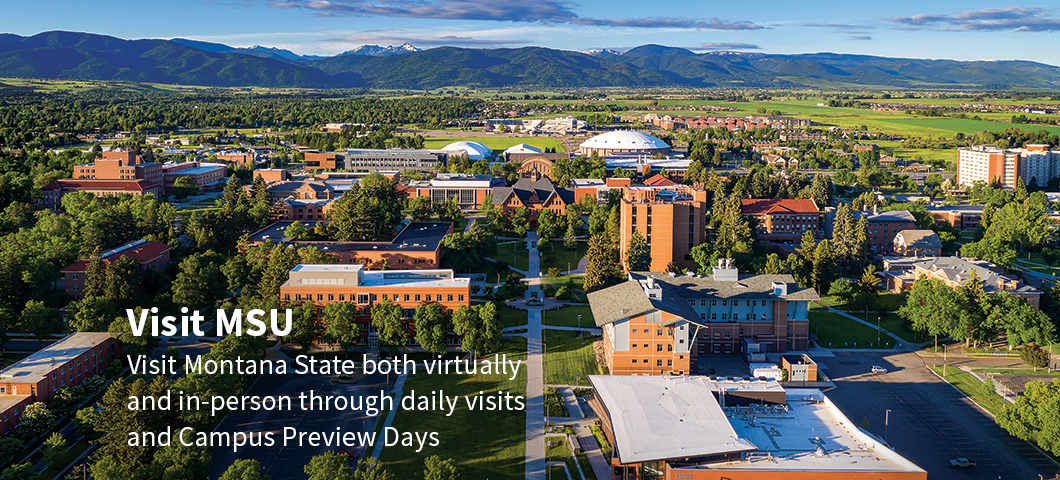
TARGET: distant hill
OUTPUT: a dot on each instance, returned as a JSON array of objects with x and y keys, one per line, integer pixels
[
  {"x": 84, "y": 56},
  {"x": 377, "y": 51}
]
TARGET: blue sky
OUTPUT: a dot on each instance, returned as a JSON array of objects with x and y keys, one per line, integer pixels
[{"x": 963, "y": 30}]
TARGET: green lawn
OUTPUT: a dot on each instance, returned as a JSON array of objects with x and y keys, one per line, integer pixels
[
  {"x": 517, "y": 258},
  {"x": 1016, "y": 371},
  {"x": 554, "y": 404},
  {"x": 568, "y": 317},
  {"x": 601, "y": 439},
  {"x": 495, "y": 274},
  {"x": 973, "y": 388},
  {"x": 554, "y": 254},
  {"x": 568, "y": 360},
  {"x": 514, "y": 347},
  {"x": 556, "y": 451},
  {"x": 498, "y": 142},
  {"x": 836, "y": 331},
  {"x": 485, "y": 444},
  {"x": 901, "y": 327},
  {"x": 511, "y": 317}
]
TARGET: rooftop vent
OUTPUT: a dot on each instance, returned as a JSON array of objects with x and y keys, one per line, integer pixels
[{"x": 725, "y": 272}]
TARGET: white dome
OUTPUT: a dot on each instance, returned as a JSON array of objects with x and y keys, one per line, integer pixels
[
  {"x": 625, "y": 140},
  {"x": 522, "y": 148},
  {"x": 474, "y": 150}
]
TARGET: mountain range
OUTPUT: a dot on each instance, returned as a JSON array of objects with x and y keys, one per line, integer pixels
[{"x": 85, "y": 56}]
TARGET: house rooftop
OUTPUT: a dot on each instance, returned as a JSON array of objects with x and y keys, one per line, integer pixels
[{"x": 767, "y": 206}]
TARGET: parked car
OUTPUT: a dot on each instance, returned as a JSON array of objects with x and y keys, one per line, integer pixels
[
  {"x": 878, "y": 369},
  {"x": 962, "y": 463}
]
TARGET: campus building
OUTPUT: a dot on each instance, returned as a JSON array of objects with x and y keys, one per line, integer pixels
[
  {"x": 989, "y": 164},
  {"x": 325, "y": 284},
  {"x": 65, "y": 363},
  {"x": 783, "y": 219},
  {"x": 374, "y": 160},
  {"x": 536, "y": 193},
  {"x": 623, "y": 142},
  {"x": 672, "y": 220},
  {"x": 208, "y": 177},
  {"x": 656, "y": 324},
  {"x": 150, "y": 255},
  {"x": 901, "y": 272},
  {"x": 882, "y": 227},
  {"x": 417, "y": 247},
  {"x": 115, "y": 173},
  {"x": 702, "y": 428},
  {"x": 468, "y": 189},
  {"x": 917, "y": 243}
]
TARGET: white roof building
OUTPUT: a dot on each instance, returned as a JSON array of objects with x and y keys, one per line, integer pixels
[
  {"x": 522, "y": 148},
  {"x": 474, "y": 150},
  {"x": 623, "y": 141}
]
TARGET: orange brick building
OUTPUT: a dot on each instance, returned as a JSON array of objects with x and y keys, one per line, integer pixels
[
  {"x": 65, "y": 363},
  {"x": 783, "y": 219},
  {"x": 537, "y": 194},
  {"x": 317, "y": 161},
  {"x": 115, "y": 173},
  {"x": 150, "y": 255},
  {"x": 658, "y": 324},
  {"x": 207, "y": 176},
  {"x": 671, "y": 218},
  {"x": 325, "y": 284}
]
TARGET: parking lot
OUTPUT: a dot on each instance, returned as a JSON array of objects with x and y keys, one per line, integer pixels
[
  {"x": 930, "y": 421},
  {"x": 278, "y": 461}
]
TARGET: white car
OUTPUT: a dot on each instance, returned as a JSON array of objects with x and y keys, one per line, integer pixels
[{"x": 878, "y": 369}]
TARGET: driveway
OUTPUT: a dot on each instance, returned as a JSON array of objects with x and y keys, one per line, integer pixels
[{"x": 930, "y": 421}]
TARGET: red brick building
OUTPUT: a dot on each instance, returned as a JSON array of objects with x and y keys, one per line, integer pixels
[
  {"x": 536, "y": 193},
  {"x": 783, "y": 219},
  {"x": 672, "y": 219},
  {"x": 150, "y": 255},
  {"x": 209, "y": 177},
  {"x": 63, "y": 364},
  {"x": 115, "y": 173}
]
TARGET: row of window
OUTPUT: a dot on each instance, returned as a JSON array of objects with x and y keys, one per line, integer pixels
[
  {"x": 669, "y": 363},
  {"x": 659, "y": 347},
  {"x": 658, "y": 332},
  {"x": 735, "y": 303},
  {"x": 735, "y": 316},
  {"x": 364, "y": 298}
]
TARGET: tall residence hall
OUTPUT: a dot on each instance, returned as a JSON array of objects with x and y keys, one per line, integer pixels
[
  {"x": 989, "y": 164},
  {"x": 325, "y": 284},
  {"x": 114, "y": 173},
  {"x": 65, "y": 363},
  {"x": 660, "y": 324},
  {"x": 150, "y": 255},
  {"x": 672, "y": 219},
  {"x": 417, "y": 247},
  {"x": 783, "y": 219},
  {"x": 706, "y": 428}
]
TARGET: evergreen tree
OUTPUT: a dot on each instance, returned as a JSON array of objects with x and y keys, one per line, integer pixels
[
  {"x": 860, "y": 249},
  {"x": 733, "y": 229},
  {"x": 672, "y": 267},
  {"x": 808, "y": 245},
  {"x": 614, "y": 225},
  {"x": 598, "y": 219},
  {"x": 1020, "y": 192},
  {"x": 602, "y": 266},
  {"x": 843, "y": 232},
  {"x": 824, "y": 268},
  {"x": 638, "y": 253},
  {"x": 95, "y": 277},
  {"x": 773, "y": 265}
]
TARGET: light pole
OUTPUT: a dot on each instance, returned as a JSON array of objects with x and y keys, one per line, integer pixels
[
  {"x": 886, "y": 424},
  {"x": 877, "y": 332},
  {"x": 944, "y": 348},
  {"x": 579, "y": 324}
]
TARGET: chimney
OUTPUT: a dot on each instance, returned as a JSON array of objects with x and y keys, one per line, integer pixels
[{"x": 874, "y": 210}]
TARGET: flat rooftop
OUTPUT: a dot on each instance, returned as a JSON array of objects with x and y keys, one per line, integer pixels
[
  {"x": 415, "y": 237},
  {"x": 340, "y": 275},
  {"x": 788, "y": 439},
  {"x": 35, "y": 367}
]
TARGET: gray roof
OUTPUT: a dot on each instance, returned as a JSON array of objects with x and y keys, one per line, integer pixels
[
  {"x": 524, "y": 187},
  {"x": 888, "y": 216},
  {"x": 959, "y": 270},
  {"x": 628, "y": 299},
  {"x": 920, "y": 239}
]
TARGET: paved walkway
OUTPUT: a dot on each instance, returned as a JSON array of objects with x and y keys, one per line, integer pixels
[
  {"x": 535, "y": 379},
  {"x": 399, "y": 386},
  {"x": 593, "y": 452}
]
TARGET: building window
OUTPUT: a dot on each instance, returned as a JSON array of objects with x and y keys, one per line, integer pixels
[
  {"x": 331, "y": 297},
  {"x": 342, "y": 297},
  {"x": 407, "y": 297},
  {"x": 713, "y": 303},
  {"x": 417, "y": 297},
  {"x": 634, "y": 345},
  {"x": 658, "y": 347},
  {"x": 658, "y": 332},
  {"x": 287, "y": 297},
  {"x": 658, "y": 363},
  {"x": 450, "y": 298},
  {"x": 634, "y": 360},
  {"x": 362, "y": 298},
  {"x": 728, "y": 335},
  {"x": 669, "y": 347},
  {"x": 634, "y": 330},
  {"x": 460, "y": 298},
  {"x": 670, "y": 362},
  {"x": 723, "y": 302},
  {"x": 645, "y": 345}
]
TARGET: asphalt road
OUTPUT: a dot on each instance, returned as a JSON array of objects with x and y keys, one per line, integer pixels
[
  {"x": 930, "y": 421},
  {"x": 279, "y": 461}
]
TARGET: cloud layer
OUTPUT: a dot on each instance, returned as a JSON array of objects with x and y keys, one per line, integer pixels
[
  {"x": 425, "y": 41},
  {"x": 1018, "y": 19},
  {"x": 542, "y": 11},
  {"x": 715, "y": 46}
]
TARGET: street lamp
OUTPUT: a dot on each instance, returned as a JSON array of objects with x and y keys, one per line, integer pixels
[
  {"x": 579, "y": 323},
  {"x": 886, "y": 424},
  {"x": 877, "y": 332}
]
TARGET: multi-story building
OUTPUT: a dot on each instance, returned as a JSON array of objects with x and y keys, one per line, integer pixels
[
  {"x": 599, "y": 189},
  {"x": 469, "y": 190},
  {"x": 664, "y": 323},
  {"x": 373, "y": 160},
  {"x": 536, "y": 193},
  {"x": 150, "y": 255},
  {"x": 65, "y": 363},
  {"x": 322, "y": 161},
  {"x": 115, "y": 173},
  {"x": 883, "y": 226},
  {"x": 783, "y": 219},
  {"x": 989, "y": 164},
  {"x": 706, "y": 428},
  {"x": 417, "y": 247},
  {"x": 900, "y": 273},
  {"x": 209, "y": 177},
  {"x": 325, "y": 284},
  {"x": 917, "y": 243},
  {"x": 672, "y": 220}
]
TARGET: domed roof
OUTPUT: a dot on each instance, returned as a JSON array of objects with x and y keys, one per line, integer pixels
[
  {"x": 625, "y": 140},
  {"x": 474, "y": 150},
  {"x": 522, "y": 148}
]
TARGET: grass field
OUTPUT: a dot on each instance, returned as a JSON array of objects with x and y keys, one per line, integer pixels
[
  {"x": 568, "y": 317},
  {"x": 973, "y": 388},
  {"x": 561, "y": 257},
  {"x": 485, "y": 444},
  {"x": 568, "y": 360},
  {"x": 514, "y": 347},
  {"x": 516, "y": 258},
  {"x": 556, "y": 451},
  {"x": 497, "y": 143},
  {"x": 511, "y": 317},
  {"x": 836, "y": 331}
]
